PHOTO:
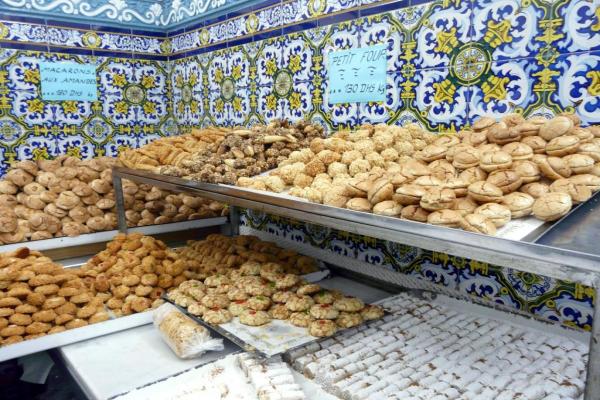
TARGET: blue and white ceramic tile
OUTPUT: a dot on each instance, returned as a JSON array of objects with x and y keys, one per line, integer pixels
[
  {"x": 581, "y": 28},
  {"x": 504, "y": 87},
  {"x": 577, "y": 80},
  {"x": 36, "y": 146},
  {"x": 186, "y": 84}
]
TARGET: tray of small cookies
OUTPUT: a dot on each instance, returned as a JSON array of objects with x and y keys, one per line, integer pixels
[{"x": 268, "y": 311}]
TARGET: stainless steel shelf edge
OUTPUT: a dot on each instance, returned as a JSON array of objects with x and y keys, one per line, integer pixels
[
  {"x": 73, "y": 336},
  {"x": 529, "y": 257},
  {"x": 105, "y": 236}
]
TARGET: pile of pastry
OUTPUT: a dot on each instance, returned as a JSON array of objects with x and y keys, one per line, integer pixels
[
  {"x": 67, "y": 197},
  {"x": 218, "y": 254},
  {"x": 477, "y": 180},
  {"x": 243, "y": 152},
  {"x": 39, "y": 297},
  {"x": 133, "y": 272},
  {"x": 260, "y": 292},
  {"x": 172, "y": 150}
]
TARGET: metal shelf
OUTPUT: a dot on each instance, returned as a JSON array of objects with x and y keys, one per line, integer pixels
[
  {"x": 529, "y": 257},
  {"x": 106, "y": 236}
]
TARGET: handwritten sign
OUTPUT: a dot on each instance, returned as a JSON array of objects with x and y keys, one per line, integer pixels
[
  {"x": 357, "y": 75},
  {"x": 68, "y": 81}
]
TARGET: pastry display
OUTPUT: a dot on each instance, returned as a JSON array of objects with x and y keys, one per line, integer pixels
[
  {"x": 68, "y": 197},
  {"x": 172, "y": 150},
  {"x": 39, "y": 297},
  {"x": 232, "y": 154},
  {"x": 406, "y": 172},
  {"x": 257, "y": 282},
  {"x": 133, "y": 272}
]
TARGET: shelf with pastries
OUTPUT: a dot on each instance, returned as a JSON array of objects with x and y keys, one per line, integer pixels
[
  {"x": 42, "y": 303},
  {"x": 386, "y": 181},
  {"x": 48, "y": 202}
]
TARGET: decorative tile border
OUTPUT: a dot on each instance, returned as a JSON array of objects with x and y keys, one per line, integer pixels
[{"x": 567, "y": 303}]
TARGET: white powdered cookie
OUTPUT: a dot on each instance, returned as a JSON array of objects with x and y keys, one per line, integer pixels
[
  {"x": 324, "y": 311},
  {"x": 254, "y": 318},
  {"x": 322, "y": 328}
]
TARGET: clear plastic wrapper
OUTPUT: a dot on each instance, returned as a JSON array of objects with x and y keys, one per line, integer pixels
[{"x": 185, "y": 337}]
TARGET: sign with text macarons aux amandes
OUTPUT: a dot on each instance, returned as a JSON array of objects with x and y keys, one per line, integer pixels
[
  {"x": 64, "y": 80},
  {"x": 357, "y": 75}
]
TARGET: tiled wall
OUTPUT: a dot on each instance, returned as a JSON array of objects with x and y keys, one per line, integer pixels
[
  {"x": 449, "y": 62},
  {"x": 567, "y": 303}
]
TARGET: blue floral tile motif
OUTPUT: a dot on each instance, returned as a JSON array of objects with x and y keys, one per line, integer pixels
[
  {"x": 490, "y": 283},
  {"x": 76, "y": 146},
  {"x": 507, "y": 28},
  {"x": 504, "y": 87},
  {"x": 581, "y": 28},
  {"x": 186, "y": 83},
  {"x": 576, "y": 78},
  {"x": 36, "y": 146}
]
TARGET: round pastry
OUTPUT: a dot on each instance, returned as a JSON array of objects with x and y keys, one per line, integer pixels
[
  {"x": 197, "y": 293},
  {"x": 499, "y": 214},
  {"x": 349, "y": 319},
  {"x": 322, "y": 328},
  {"x": 197, "y": 309},
  {"x": 427, "y": 182},
  {"x": 431, "y": 153},
  {"x": 258, "y": 289},
  {"x": 216, "y": 280},
  {"x": 562, "y": 145},
  {"x": 215, "y": 301},
  {"x": 527, "y": 170},
  {"x": 217, "y": 316},
  {"x": 324, "y": 311},
  {"x": 519, "y": 204},
  {"x": 308, "y": 289},
  {"x": 271, "y": 267},
  {"x": 299, "y": 303},
  {"x": 478, "y": 223},
  {"x": 537, "y": 144},
  {"x": 555, "y": 127},
  {"x": 382, "y": 189},
  {"x": 552, "y": 206},
  {"x": 324, "y": 297},
  {"x": 508, "y": 181},
  {"x": 467, "y": 157},
  {"x": 371, "y": 312},
  {"x": 500, "y": 133},
  {"x": 459, "y": 186},
  {"x": 254, "y": 318},
  {"x": 535, "y": 189},
  {"x": 589, "y": 180},
  {"x": 553, "y": 167},
  {"x": 285, "y": 281},
  {"x": 235, "y": 294},
  {"x": 476, "y": 138},
  {"x": 464, "y": 206},
  {"x": 349, "y": 304},
  {"x": 495, "y": 161},
  {"x": 279, "y": 311},
  {"x": 590, "y": 149},
  {"x": 472, "y": 175},
  {"x": 282, "y": 296},
  {"x": 258, "y": 303},
  {"x": 518, "y": 151},
  {"x": 438, "y": 199},
  {"x": 409, "y": 194},
  {"x": 579, "y": 163},
  {"x": 440, "y": 169},
  {"x": 301, "y": 319},
  {"x": 388, "y": 208},
  {"x": 236, "y": 307},
  {"x": 359, "y": 204},
  {"x": 250, "y": 268},
  {"x": 483, "y": 123},
  {"x": 414, "y": 213},
  {"x": 578, "y": 193},
  {"x": 484, "y": 192}
]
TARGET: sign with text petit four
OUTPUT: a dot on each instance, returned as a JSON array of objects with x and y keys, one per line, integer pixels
[
  {"x": 68, "y": 81},
  {"x": 357, "y": 75}
]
